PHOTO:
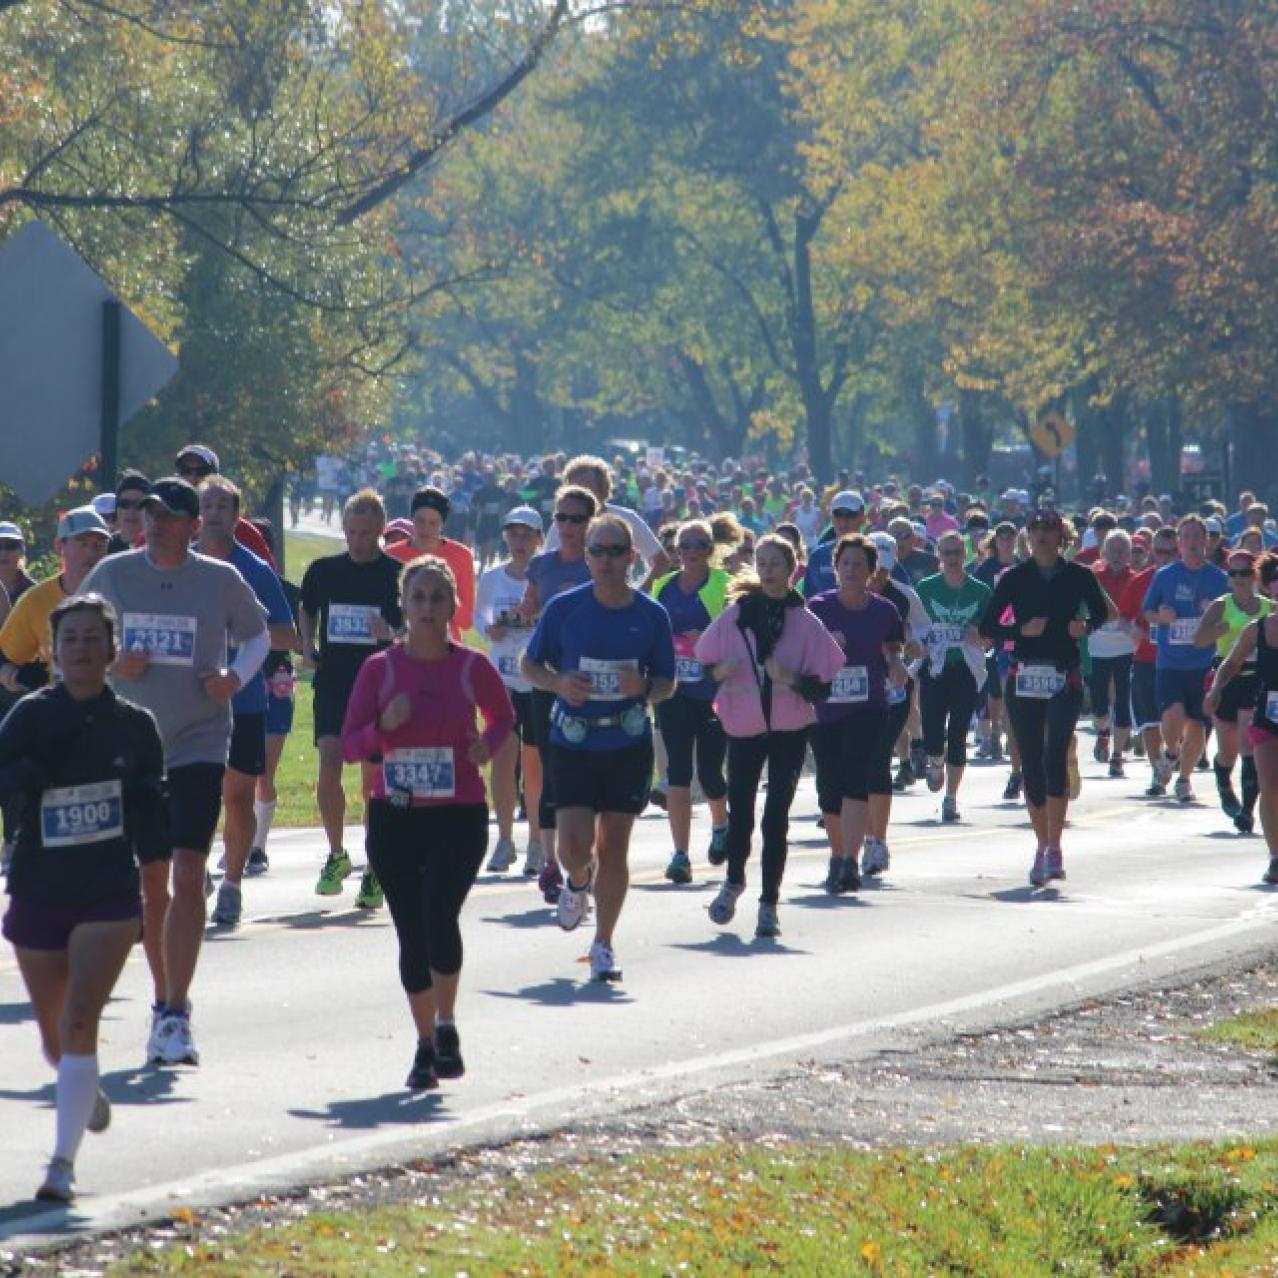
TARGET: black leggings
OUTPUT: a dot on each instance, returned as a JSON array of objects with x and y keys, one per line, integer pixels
[
  {"x": 542, "y": 704},
  {"x": 426, "y": 860},
  {"x": 844, "y": 753},
  {"x": 1044, "y": 728},
  {"x": 1118, "y": 671},
  {"x": 885, "y": 747},
  {"x": 947, "y": 703},
  {"x": 689, "y": 721},
  {"x": 783, "y": 752}
]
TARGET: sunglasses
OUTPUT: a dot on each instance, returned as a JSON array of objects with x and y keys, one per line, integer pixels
[
  {"x": 1242, "y": 572},
  {"x": 611, "y": 550},
  {"x": 562, "y": 517},
  {"x": 694, "y": 545}
]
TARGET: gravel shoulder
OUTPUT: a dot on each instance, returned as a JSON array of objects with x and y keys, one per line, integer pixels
[{"x": 1125, "y": 1069}]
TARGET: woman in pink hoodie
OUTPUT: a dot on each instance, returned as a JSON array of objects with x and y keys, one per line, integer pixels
[{"x": 772, "y": 659}]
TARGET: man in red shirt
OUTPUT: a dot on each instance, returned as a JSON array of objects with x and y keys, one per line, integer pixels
[{"x": 195, "y": 463}]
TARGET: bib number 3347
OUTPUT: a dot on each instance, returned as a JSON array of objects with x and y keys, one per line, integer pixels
[{"x": 425, "y": 773}]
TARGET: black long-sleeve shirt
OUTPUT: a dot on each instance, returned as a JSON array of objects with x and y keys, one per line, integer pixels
[
  {"x": 51, "y": 742},
  {"x": 1069, "y": 592}
]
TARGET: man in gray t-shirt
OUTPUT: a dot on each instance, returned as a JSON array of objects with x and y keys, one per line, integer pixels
[{"x": 177, "y": 612}]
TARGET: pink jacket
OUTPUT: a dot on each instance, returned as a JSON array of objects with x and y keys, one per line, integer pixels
[{"x": 805, "y": 646}]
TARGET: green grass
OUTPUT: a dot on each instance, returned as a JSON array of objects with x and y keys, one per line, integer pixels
[
  {"x": 794, "y": 1210},
  {"x": 302, "y": 549},
  {"x": 1255, "y": 1030}
]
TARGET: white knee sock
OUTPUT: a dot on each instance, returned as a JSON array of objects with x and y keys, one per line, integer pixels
[
  {"x": 77, "y": 1091},
  {"x": 265, "y": 814}
]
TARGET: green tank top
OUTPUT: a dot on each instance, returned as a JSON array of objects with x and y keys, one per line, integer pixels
[{"x": 1238, "y": 621}]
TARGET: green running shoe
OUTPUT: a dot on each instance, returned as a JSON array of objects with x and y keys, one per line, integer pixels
[
  {"x": 370, "y": 892},
  {"x": 336, "y": 870}
]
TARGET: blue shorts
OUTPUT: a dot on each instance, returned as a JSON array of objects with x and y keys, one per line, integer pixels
[
  {"x": 279, "y": 716},
  {"x": 1185, "y": 688}
]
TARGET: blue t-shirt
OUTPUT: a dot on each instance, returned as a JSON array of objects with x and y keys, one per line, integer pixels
[
  {"x": 687, "y": 613},
  {"x": 251, "y": 699},
  {"x": 577, "y": 632},
  {"x": 819, "y": 576},
  {"x": 552, "y": 575},
  {"x": 1188, "y": 591}
]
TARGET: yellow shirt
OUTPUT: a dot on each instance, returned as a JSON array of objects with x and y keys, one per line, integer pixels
[{"x": 25, "y": 636}]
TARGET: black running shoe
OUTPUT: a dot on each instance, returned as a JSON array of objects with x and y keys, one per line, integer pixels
[
  {"x": 448, "y": 1057},
  {"x": 1012, "y": 791},
  {"x": 422, "y": 1077},
  {"x": 850, "y": 881},
  {"x": 904, "y": 776}
]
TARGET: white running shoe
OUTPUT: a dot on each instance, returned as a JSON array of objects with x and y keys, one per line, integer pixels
[
  {"x": 603, "y": 962},
  {"x": 1184, "y": 790},
  {"x": 59, "y": 1182},
  {"x": 503, "y": 857},
  {"x": 177, "y": 1045},
  {"x": 1163, "y": 768},
  {"x": 154, "y": 1049},
  {"x": 875, "y": 857},
  {"x": 534, "y": 859},
  {"x": 573, "y": 905}
]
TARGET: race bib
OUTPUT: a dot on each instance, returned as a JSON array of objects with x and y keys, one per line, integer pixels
[
  {"x": 851, "y": 684},
  {"x": 507, "y": 664},
  {"x": 351, "y": 623},
  {"x": 169, "y": 640},
  {"x": 1039, "y": 682},
  {"x": 77, "y": 814},
  {"x": 605, "y": 676},
  {"x": 425, "y": 772},
  {"x": 1271, "y": 706},
  {"x": 1181, "y": 631},
  {"x": 687, "y": 668},
  {"x": 946, "y": 636}
]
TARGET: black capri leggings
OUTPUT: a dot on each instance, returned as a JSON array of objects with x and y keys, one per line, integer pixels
[
  {"x": 542, "y": 704},
  {"x": 1044, "y": 728},
  {"x": 689, "y": 721},
  {"x": 426, "y": 860},
  {"x": 844, "y": 753},
  {"x": 947, "y": 703},
  {"x": 783, "y": 752},
  {"x": 1118, "y": 672},
  {"x": 885, "y": 747}
]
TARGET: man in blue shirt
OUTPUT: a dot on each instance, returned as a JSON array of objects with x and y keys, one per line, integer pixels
[
  {"x": 1177, "y": 597},
  {"x": 847, "y": 512}
]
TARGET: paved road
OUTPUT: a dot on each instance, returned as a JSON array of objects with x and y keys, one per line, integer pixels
[{"x": 306, "y": 1040}]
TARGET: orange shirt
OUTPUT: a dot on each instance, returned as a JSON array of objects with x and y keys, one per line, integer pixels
[{"x": 462, "y": 562}]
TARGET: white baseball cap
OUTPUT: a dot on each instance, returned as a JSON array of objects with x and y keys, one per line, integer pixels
[
  {"x": 885, "y": 543},
  {"x": 849, "y": 501},
  {"x": 82, "y": 519},
  {"x": 526, "y": 517}
]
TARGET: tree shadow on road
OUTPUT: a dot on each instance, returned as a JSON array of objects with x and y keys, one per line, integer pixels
[
  {"x": 15, "y": 1013},
  {"x": 563, "y": 992},
  {"x": 366, "y": 1112}
]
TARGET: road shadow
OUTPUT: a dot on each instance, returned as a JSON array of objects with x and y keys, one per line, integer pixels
[
  {"x": 310, "y": 920},
  {"x": 15, "y": 1013},
  {"x": 146, "y": 1085},
  {"x": 825, "y": 901},
  {"x": 731, "y": 945},
  {"x": 43, "y": 1218},
  {"x": 1232, "y": 835},
  {"x": 365, "y": 1113},
  {"x": 563, "y": 992},
  {"x": 667, "y": 889},
  {"x": 1023, "y": 895},
  {"x": 542, "y": 916}
]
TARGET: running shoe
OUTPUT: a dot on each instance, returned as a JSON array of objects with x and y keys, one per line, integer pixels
[
  {"x": 1202, "y": 765},
  {"x": 718, "y": 853},
  {"x": 1012, "y": 790},
  {"x": 154, "y": 1049},
  {"x": 1116, "y": 768},
  {"x": 603, "y": 963},
  {"x": 177, "y": 1044},
  {"x": 1230, "y": 803},
  {"x": 680, "y": 868},
  {"x": 370, "y": 895},
  {"x": 448, "y": 1057},
  {"x": 935, "y": 774},
  {"x": 1183, "y": 790},
  {"x": 767, "y": 926},
  {"x": 1244, "y": 822},
  {"x": 918, "y": 758},
  {"x": 1100, "y": 752},
  {"x": 875, "y": 857},
  {"x": 1138, "y": 747},
  {"x": 573, "y": 904},
  {"x": 550, "y": 882},
  {"x": 503, "y": 857},
  {"x": 949, "y": 808},
  {"x": 1156, "y": 790},
  {"x": 834, "y": 876},
  {"x": 59, "y": 1182},
  {"x": 1038, "y": 871},
  {"x": 1054, "y": 863},
  {"x": 1075, "y": 778},
  {"x": 1270, "y": 876},
  {"x": 209, "y": 886},
  {"x": 982, "y": 750},
  {"x": 100, "y": 1118},
  {"x": 230, "y": 905},
  {"x": 904, "y": 776},
  {"x": 657, "y": 797},
  {"x": 422, "y": 1077},
  {"x": 534, "y": 859},
  {"x": 850, "y": 879},
  {"x": 1164, "y": 767},
  {"x": 724, "y": 906},
  {"x": 337, "y": 869},
  {"x": 258, "y": 862}
]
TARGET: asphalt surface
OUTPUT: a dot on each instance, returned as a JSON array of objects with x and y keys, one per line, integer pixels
[{"x": 305, "y": 1037}]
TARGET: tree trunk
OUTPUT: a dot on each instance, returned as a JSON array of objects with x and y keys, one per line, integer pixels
[
  {"x": 1116, "y": 423},
  {"x": 1253, "y": 430},
  {"x": 273, "y": 509},
  {"x": 1163, "y": 431},
  {"x": 1089, "y": 423},
  {"x": 977, "y": 434}
]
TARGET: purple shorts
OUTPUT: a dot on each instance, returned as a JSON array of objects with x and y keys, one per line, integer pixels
[{"x": 32, "y": 925}]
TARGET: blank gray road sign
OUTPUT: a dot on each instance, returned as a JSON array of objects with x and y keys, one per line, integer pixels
[{"x": 51, "y": 362}]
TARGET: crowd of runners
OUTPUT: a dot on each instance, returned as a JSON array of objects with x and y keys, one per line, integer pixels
[{"x": 565, "y": 641}]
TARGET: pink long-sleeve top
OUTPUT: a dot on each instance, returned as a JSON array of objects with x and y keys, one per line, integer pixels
[{"x": 445, "y": 695}]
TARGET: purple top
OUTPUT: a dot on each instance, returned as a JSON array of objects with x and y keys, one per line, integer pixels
[
  {"x": 552, "y": 575},
  {"x": 861, "y": 633}
]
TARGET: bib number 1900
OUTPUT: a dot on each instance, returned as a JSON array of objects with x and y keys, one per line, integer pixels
[{"x": 77, "y": 814}]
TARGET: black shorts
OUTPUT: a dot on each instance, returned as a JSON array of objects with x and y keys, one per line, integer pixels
[
  {"x": 195, "y": 803},
  {"x": 1240, "y": 694},
  {"x": 248, "y": 745},
  {"x": 524, "y": 723},
  {"x": 1144, "y": 696},
  {"x": 330, "y": 710},
  {"x": 603, "y": 780}
]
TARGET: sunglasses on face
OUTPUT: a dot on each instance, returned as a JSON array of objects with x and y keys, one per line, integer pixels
[
  {"x": 694, "y": 545},
  {"x": 611, "y": 550},
  {"x": 562, "y": 517},
  {"x": 1242, "y": 572}
]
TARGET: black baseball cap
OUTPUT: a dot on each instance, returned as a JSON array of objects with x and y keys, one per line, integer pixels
[{"x": 175, "y": 495}]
